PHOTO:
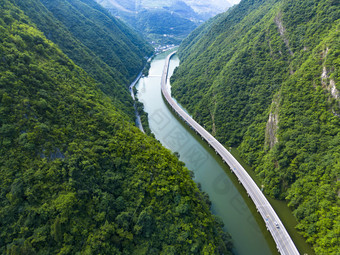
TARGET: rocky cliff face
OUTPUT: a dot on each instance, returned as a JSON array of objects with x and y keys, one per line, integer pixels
[{"x": 273, "y": 123}]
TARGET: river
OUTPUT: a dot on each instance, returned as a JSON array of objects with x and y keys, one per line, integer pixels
[{"x": 229, "y": 200}]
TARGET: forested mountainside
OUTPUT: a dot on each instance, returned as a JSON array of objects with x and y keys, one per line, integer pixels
[
  {"x": 265, "y": 77},
  {"x": 97, "y": 42},
  {"x": 76, "y": 177}
]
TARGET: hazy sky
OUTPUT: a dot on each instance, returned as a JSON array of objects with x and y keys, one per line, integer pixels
[{"x": 234, "y": 1}]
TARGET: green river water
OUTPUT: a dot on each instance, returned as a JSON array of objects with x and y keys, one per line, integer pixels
[{"x": 229, "y": 199}]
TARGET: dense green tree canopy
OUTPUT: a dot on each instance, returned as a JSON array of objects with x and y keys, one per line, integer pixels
[
  {"x": 76, "y": 177},
  {"x": 265, "y": 77}
]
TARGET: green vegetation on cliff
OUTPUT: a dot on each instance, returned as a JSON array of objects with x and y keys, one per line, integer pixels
[
  {"x": 76, "y": 177},
  {"x": 103, "y": 46},
  {"x": 265, "y": 77}
]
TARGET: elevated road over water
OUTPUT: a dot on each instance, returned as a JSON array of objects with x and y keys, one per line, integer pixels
[{"x": 273, "y": 223}]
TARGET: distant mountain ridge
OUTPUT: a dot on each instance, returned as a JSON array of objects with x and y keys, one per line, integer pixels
[
  {"x": 207, "y": 8},
  {"x": 164, "y": 22}
]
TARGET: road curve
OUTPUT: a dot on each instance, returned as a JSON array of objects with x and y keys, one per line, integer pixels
[{"x": 273, "y": 223}]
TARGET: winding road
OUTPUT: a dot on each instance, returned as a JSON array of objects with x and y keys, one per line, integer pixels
[
  {"x": 273, "y": 223},
  {"x": 138, "y": 119}
]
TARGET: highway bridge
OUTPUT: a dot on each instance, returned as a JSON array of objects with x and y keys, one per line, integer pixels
[{"x": 273, "y": 223}]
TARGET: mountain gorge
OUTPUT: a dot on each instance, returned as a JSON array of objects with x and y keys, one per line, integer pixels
[
  {"x": 165, "y": 22},
  {"x": 264, "y": 77},
  {"x": 76, "y": 176}
]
